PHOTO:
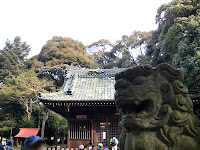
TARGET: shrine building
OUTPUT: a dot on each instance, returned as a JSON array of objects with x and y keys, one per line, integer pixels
[{"x": 87, "y": 101}]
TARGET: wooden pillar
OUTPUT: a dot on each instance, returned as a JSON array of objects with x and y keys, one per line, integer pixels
[
  {"x": 68, "y": 135},
  {"x": 107, "y": 132},
  {"x": 94, "y": 133},
  {"x": 117, "y": 109}
]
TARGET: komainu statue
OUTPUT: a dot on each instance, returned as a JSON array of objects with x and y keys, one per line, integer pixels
[{"x": 156, "y": 110}]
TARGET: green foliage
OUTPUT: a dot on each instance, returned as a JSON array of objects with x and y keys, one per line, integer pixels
[
  {"x": 26, "y": 123},
  {"x": 61, "y": 50},
  {"x": 56, "y": 124},
  {"x": 188, "y": 59},
  {"x": 18, "y": 95},
  {"x": 33, "y": 63},
  {"x": 19, "y": 48},
  {"x": 23, "y": 79},
  {"x": 176, "y": 41},
  {"x": 55, "y": 73},
  {"x": 9, "y": 64},
  {"x": 122, "y": 53},
  {"x": 24, "y": 86},
  {"x": 6, "y": 125},
  {"x": 120, "y": 56},
  {"x": 153, "y": 50},
  {"x": 137, "y": 39},
  {"x": 101, "y": 42},
  {"x": 12, "y": 56},
  {"x": 102, "y": 45},
  {"x": 165, "y": 40}
]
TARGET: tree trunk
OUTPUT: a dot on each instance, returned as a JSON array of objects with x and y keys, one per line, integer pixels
[
  {"x": 27, "y": 111},
  {"x": 17, "y": 142},
  {"x": 31, "y": 106},
  {"x": 55, "y": 138},
  {"x": 140, "y": 49},
  {"x": 49, "y": 139},
  {"x": 62, "y": 139},
  {"x": 44, "y": 112},
  {"x": 39, "y": 123},
  {"x": 11, "y": 130}
]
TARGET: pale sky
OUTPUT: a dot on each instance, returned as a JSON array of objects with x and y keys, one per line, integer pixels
[{"x": 37, "y": 21}]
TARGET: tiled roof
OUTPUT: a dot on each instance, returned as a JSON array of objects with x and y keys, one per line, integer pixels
[{"x": 86, "y": 85}]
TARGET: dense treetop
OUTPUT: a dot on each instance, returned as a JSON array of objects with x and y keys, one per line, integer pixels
[
  {"x": 124, "y": 52},
  {"x": 102, "y": 45},
  {"x": 12, "y": 57},
  {"x": 176, "y": 41},
  {"x": 61, "y": 50}
]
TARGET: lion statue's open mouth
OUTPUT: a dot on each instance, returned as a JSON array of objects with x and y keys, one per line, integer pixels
[
  {"x": 135, "y": 108},
  {"x": 155, "y": 109}
]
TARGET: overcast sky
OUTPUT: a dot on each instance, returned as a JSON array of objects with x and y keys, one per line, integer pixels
[{"x": 36, "y": 21}]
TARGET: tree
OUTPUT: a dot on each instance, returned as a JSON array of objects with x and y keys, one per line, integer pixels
[
  {"x": 23, "y": 89},
  {"x": 61, "y": 50},
  {"x": 164, "y": 43},
  {"x": 187, "y": 55},
  {"x": 19, "y": 48},
  {"x": 25, "y": 122},
  {"x": 45, "y": 117},
  {"x": 124, "y": 52},
  {"x": 153, "y": 51},
  {"x": 176, "y": 41},
  {"x": 19, "y": 103},
  {"x": 33, "y": 63},
  {"x": 12, "y": 57},
  {"x": 57, "y": 125},
  {"x": 102, "y": 45},
  {"x": 117, "y": 57},
  {"x": 9, "y": 64},
  {"x": 55, "y": 73},
  {"x": 10, "y": 111},
  {"x": 7, "y": 125},
  {"x": 137, "y": 41}
]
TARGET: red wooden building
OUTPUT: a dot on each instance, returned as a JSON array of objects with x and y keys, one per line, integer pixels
[{"x": 87, "y": 101}]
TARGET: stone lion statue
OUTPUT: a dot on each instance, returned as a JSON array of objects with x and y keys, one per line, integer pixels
[{"x": 156, "y": 110}]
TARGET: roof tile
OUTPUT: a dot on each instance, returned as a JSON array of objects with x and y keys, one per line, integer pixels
[{"x": 87, "y": 87}]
